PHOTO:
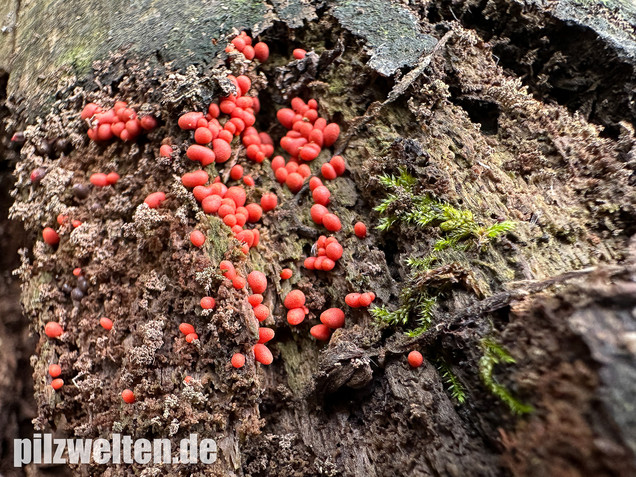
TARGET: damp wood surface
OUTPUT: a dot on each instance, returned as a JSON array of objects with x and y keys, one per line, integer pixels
[{"x": 509, "y": 111}]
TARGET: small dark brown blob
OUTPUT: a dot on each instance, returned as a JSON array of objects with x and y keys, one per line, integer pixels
[
  {"x": 81, "y": 191},
  {"x": 77, "y": 294},
  {"x": 82, "y": 284}
]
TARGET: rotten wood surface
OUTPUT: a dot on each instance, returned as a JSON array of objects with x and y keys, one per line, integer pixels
[{"x": 509, "y": 110}]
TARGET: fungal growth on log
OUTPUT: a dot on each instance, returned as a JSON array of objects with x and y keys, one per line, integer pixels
[{"x": 343, "y": 238}]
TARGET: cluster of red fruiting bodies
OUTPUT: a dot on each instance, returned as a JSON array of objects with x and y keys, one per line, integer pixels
[
  {"x": 120, "y": 121},
  {"x": 213, "y": 135}
]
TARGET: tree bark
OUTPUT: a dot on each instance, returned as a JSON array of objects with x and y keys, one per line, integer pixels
[{"x": 507, "y": 111}]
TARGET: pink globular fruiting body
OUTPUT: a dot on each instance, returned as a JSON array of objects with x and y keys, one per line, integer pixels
[
  {"x": 238, "y": 360},
  {"x": 321, "y": 332},
  {"x": 328, "y": 252},
  {"x": 53, "y": 329},
  {"x": 106, "y": 323},
  {"x": 207, "y": 303},
  {"x": 155, "y": 199},
  {"x": 262, "y": 354},
  {"x": 333, "y": 318},
  {"x": 197, "y": 238},
  {"x": 360, "y": 230},
  {"x": 415, "y": 359},
  {"x": 55, "y": 370},
  {"x": 257, "y": 281},
  {"x": 128, "y": 396},
  {"x": 50, "y": 236}
]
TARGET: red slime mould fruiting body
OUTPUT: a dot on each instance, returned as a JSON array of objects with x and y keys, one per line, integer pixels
[
  {"x": 55, "y": 370},
  {"x": 50, "y": 236},
  {"x": 128, "y": 396},
  {"x": 262, "y": 354},
  {"x": 238, "y": 360},
  {"x": 106, "y": 323},
  {"x": 333, "y": 318},
  {"x": 415, "y": 359},
  {"x": 53, "y": 329},
  {"x": 155, "y": 199}
]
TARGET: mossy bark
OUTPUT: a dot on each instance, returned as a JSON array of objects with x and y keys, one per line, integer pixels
[{"x": 498, "y": 120}]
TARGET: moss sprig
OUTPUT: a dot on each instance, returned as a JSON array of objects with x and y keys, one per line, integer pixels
[
  {"x": 495, "y": 354},
  {"x": 456, "y": 225}
]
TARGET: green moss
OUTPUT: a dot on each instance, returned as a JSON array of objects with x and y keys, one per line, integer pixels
[
  {"x": 496, "y": 354},
  {"x": 457, "y": 225},
  {"x": 416, "y": 306},
  {"x": 451, "y": 381}
]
